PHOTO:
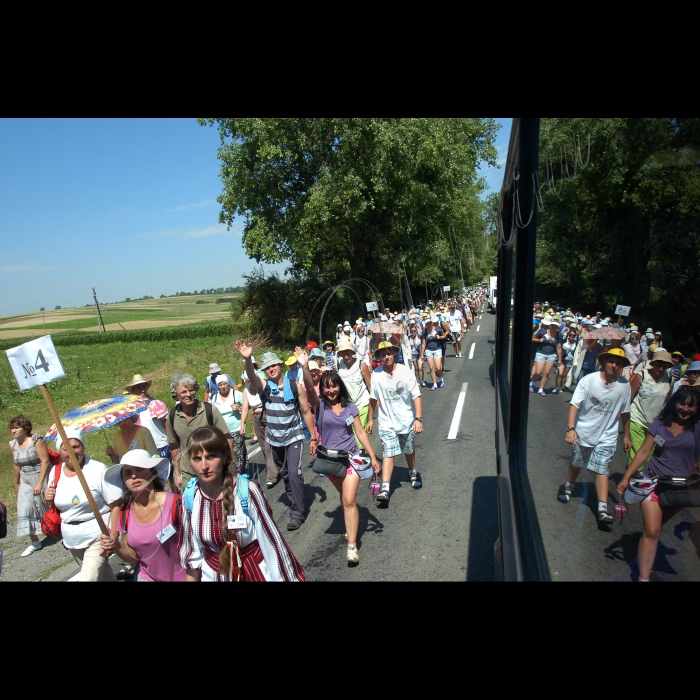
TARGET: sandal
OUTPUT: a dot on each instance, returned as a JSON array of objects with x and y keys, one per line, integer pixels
[{"x": 383, "y": 496}]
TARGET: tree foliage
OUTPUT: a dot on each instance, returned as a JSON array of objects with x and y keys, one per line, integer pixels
[
  {"x": 341, "y": 198},
  {"x": 626, "y": 228}
]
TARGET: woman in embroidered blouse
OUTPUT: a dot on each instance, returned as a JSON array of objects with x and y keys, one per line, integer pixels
[{"x": 218, "y": 540}]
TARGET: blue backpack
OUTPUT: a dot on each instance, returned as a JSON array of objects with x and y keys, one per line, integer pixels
[{"x": 241, "y": 488}]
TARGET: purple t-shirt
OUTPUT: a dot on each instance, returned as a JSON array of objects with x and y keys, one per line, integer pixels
[
  {"x": 678, "y": 455},
  {"x": 159, "y": 562},
  {"x": 337, "y": 434}
]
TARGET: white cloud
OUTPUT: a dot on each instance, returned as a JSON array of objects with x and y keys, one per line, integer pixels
[
  {"x": 192, "y": 233},
  {"x": 194, "y": 205}
]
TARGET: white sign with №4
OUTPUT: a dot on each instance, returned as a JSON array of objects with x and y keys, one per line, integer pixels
[{"x": 35, "y": 363}]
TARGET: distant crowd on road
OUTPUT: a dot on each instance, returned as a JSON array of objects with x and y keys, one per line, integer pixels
[
  {"x": 627, "y": 379},
  {"x": 178, "y": 501}
]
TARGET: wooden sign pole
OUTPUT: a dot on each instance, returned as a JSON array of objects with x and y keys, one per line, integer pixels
[{"x": 74, "y": 460}]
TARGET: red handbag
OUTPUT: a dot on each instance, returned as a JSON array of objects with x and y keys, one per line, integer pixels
[{"x": 51, "y": 522}]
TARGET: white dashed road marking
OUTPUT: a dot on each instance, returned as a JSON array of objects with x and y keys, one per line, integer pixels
[
  {"x": 471, "y": 352},
  {"x": 454, "y": 426}
]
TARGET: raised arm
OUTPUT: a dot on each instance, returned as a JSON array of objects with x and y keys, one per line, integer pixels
[{"x": 246, "y": 353}]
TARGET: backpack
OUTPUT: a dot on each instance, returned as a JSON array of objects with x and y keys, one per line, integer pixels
[
  {"x": 241, "y": 488},
  {"x": 207, "y": 409},
  {"x": 3, "y": 520},
  {"x": 175, "y": 513}
]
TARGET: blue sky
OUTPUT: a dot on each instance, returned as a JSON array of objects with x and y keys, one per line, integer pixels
[{"x": 124, "y": 205}]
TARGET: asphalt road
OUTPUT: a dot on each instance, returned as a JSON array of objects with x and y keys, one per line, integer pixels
[
  {"x": 444, "y": 531},
  {"x": 577, "y": 548}
]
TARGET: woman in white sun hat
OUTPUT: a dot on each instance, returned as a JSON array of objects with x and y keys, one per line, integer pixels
[
  {"x": 149, "y": 518},
  {"x": 79, "y": 528}
]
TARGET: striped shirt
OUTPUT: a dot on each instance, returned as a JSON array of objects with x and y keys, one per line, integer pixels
[{"x": 285, "y": 425}]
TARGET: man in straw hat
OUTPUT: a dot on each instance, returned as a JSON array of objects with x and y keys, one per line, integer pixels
[
  {"x": 153, "y": 418},
  {"x": 395, "y": 389},
  {"x": 287, "y": 412},
  {"x": 601, "y": 401}
]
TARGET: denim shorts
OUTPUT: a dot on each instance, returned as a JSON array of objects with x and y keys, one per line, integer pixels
[
  {"x": 539, "y": 357},
  {"x": 433, "y": 353},
  {"x": 393, "y": 444},
  {"x": 597, "y": 458}
]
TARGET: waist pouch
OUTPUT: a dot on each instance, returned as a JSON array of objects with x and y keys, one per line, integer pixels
[
  {"x": 678, "y": 491},
  {"x": 331, "y": 462}
]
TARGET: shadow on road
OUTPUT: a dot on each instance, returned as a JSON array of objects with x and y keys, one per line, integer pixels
[{"x": 483, "y": 529}]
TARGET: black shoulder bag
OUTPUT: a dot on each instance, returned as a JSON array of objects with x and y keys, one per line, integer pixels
[{"x": 329, "y": 462}]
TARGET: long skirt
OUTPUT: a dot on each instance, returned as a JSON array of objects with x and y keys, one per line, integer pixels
[{"x": 30, "y": 508}]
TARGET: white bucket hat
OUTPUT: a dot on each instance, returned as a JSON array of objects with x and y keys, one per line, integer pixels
[
  {"x": 213, "y": 367},
  {"x": 137, "y": 458}
]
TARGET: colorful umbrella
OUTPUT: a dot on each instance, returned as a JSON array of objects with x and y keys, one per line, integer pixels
[
  {"x": 99, "y": 414},
  {"x": 385, "y": 327},
  {"x": 608, "y": 333}
]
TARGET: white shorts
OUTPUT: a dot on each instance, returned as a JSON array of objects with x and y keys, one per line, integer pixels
[{"x": 433, "y": 353}]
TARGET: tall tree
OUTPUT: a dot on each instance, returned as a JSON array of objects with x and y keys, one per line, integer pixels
[{"x": 344, "y": 197}]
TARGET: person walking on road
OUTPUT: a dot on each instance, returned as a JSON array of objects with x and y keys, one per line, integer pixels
[
  {"x": 287, "y": 411},
  {"x": 229, "y": 401},
  {"x": 677, "y": 435},
  {"x": 548, "y": 352},
  {"x": 210, "y": 385},
  {"x": 31, "y": 464},
  {"x": 253, "y": 403},
  {"x": 650, "y": 386},
  {"x": 431, "y": 350},
  {"x": 601, "y": 401},
  {"x": 456, "y": 321},
  {"x": 340, "y": 427},
  {"x": 395, "y": 390},
  {"x": 188, "y": 414}
]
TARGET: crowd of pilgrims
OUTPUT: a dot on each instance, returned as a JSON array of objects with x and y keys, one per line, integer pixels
[{"x": 178, "y": 503}]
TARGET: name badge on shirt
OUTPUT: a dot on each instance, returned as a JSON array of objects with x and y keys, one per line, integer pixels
[
  {"x": 349, "y": 421},
  {"x": 659, "y": 440},
  {"x": 134, "y": 444},
  {"x": 235, "y": 522},
  {"x": 166, "y": 533}
]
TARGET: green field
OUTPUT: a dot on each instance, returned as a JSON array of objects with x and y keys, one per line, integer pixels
[{"x": 98, "y": 371}]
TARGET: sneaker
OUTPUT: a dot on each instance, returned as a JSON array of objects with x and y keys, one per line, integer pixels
[
  {"x": 414, "y": 477},
  {"x": 605, "y": 517},
  {"x": 542, "y": 392},
  {"x": 353, "y": 555},
  {"x": 33, "y": 547},
  {"x": 270, "y": 484},
  {"x": 254, "y": 441},
  {"x": 441, "y": 385},
  {"x": 532, "y": 388},
  {"x": 565, "y": 493},
  {"x": 294, "y": 524},
  {"x": 433, "y": 387}
]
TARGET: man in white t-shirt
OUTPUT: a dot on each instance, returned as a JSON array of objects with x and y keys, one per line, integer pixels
[
  {"x": 600, "y": 404},
  {"x": 396, "y": 391},
  {"x": 456, "y": 321}
]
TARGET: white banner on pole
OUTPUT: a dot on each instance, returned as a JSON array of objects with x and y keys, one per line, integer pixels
[
  {"x": 35, "y": 363},
  {"x": 622, "y": 310},
  {"x": 446, "y": 289},
  {"x": 372, "y": 306}
]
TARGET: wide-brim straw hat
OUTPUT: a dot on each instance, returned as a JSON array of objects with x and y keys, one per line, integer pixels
[
  {"x": 138, "y": 379},
  {"x": 346, "y": 345},
  {"x": 386, "y": 344},
  {"x": 662, "y": 356},
  {"x": 137, "y": 458}
]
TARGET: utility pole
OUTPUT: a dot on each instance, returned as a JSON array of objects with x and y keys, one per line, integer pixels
[{"x": 100, "y": 322}]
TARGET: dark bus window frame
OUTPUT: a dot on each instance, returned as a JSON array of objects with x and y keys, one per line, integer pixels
[{"x": 519, "y": 553}]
